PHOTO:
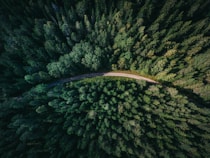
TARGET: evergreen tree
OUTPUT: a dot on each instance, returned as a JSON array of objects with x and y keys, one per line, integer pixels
[{"x": 41, "y": 42}]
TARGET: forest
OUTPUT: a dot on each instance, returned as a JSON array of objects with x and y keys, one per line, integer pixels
[{"x": 44, "y": 42}]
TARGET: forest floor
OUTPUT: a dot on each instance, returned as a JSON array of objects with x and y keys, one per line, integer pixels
[{"x": 114, "y": 74}]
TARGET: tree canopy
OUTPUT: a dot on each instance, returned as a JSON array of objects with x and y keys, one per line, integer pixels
[{"x": 42, "y": 42}]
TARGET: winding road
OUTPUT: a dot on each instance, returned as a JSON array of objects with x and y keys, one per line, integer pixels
[{"x": 90, "y": 75}]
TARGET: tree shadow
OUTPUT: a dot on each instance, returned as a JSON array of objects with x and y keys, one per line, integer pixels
[{"x": 193, "y": 97}]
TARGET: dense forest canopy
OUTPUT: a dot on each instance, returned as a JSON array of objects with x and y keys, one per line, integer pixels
[{"x": 42, "y": 42}]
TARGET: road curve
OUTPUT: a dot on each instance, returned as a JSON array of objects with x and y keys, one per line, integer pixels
[
  {"x": 127, "y": 75},
  {"x": 90, "y": 75}
]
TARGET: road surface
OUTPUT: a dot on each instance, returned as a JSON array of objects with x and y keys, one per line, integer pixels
[{"x": 116, "y": 74}]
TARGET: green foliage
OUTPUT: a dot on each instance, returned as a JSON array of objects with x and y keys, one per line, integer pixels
[
  {"x": 42, "y": 42},
  {"x": 70, "y": 38},
  {"x": 104, "y": 112}
]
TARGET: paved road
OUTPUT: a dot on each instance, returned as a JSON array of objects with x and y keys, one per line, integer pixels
[{"x": 117, "y": 74}]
